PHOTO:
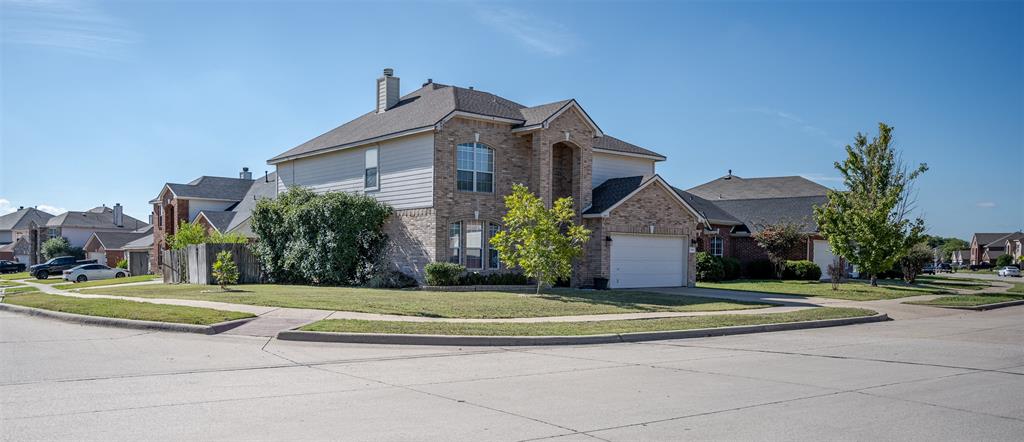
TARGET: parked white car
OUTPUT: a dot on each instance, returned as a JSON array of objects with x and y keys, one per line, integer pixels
[
  {"x": 1009, "y": 271},
  {"x": 90, "y": 272}
]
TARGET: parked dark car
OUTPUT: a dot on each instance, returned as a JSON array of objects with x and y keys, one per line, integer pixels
[
  {"x": 944, "y": 268},
  {"x": 928, "y": 270},
  {"x": 11, "y": 267},
  {"x": 981, "y": 266},
  {"x": 57, "y": 266}
]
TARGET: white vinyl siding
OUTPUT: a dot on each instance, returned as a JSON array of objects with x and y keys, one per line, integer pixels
[
  {"x": 617, "y": 166},
  {"x": 405, "y": 165},
  {"x": 196, "y": 206}
]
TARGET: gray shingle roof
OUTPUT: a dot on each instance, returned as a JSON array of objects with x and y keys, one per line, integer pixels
[
  {"x": 732, "y": 187},
  {"x": 117, "y": 240},
  {"x": 609, "y": 142},
  {"x": 756, "y": 213},
  {"x": 212, "y": 187},
  {"x": 987, "y": 238},
  {"x": 611, "y": 192},
  {"x": 219, "y": 219},
  {"x": 145, "y": 242},
  {"x": 21, "y": 219},
  {"x": 260, "y": 189},
  {"x": 1001, "y": 241},
  {"x": 711, "y": 212},
  {"x": 427, "y": 106},
  {"x": 95, "y": 218}
]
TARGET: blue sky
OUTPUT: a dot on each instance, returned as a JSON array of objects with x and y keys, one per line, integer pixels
[{"x": 103, "y": 102}]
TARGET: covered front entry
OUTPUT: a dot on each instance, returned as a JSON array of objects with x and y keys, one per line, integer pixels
[{"x": 647, "y": 261}]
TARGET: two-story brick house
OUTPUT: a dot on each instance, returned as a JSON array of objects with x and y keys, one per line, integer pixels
[{"x": 445, "y": 157}]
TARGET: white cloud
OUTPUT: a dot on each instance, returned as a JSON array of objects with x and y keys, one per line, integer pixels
[
  {"x": 541, "y": 35},
  {"x": 7, "y": 207},
  {"x": 986, "y": 204},
  {"x": 76, "y": 26}
]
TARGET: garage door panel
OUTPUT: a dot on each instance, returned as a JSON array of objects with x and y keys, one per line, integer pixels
[{"x": 647, "y": 261}]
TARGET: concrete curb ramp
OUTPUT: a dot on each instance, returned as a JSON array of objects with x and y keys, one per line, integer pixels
[
  {"x": 981, "y": 307},
  {"x": 126, "y": 323},
  {"x": 501, "y": 341}
]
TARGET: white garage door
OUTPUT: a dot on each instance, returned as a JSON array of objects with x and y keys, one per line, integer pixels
[
  {"x": 100, "y": 257},
  {"x": 647, "y": 261},
  {"x": 823, "y": 256}
]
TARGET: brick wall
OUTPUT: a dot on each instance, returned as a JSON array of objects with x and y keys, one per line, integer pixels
[
  {"x": 175, "y": 211},
  {"x": 412, "y": 235}
]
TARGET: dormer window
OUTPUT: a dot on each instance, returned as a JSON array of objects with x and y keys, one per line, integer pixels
[
  {"x": 371, "y": 176},
  {"x": 475, "y": 164}
]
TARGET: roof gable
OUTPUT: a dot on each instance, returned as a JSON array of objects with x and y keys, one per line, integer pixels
[
  {"x": 732, "y": 187},
  {"x": 23, "y": 219},
  {"x": 96, "y": 218},
  {"x": 619, "y": 190}
]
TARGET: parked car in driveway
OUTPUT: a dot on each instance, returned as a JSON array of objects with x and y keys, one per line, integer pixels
[
  {"x": 57, "y": 265},
  {"x": 981, "y": 266},
  {"x": 11, "y": 266},
  {"x": 928, "y": 270},
  {"x": 944, "y": 268},
  {"x": 92, "y": 272},
  {"x": 1009, "y": 271}
]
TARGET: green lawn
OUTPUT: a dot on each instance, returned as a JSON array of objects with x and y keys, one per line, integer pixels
[
  {"x": 968, "y": 300},
  {"x": 116, "y": 308},
  {"x": 436, "y": 304},
  {"x": 849, "y": 290},
  {"x": 8, "y": 283},
  {"x": 105, "y": 282},
  {"x": 950, "y": 283},
  {"x": 19, "y": 289},
  {"x": 1017, "y": 288},
  {"x": 579, "y": 328},
  {"x": 10, "y": 276},
  {"x": 48, "y": 281}
]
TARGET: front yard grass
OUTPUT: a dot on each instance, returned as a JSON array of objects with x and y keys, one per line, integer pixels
[
  {"x": 1015, "y": 293},
  {"x": 116, "y": 308},
  {"x": 849, "y": 290},
  {"x": 580, "y": 328},
  {"x": 12, "y": 276},
  {"x": 105, "y": 282},
  {"x": 436, "y": 304},
  {"x": 18, "y": 289}
]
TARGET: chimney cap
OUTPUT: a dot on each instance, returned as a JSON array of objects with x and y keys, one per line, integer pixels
[
  {"x": 389, "y": 72},
  {"x": 429, "y": 81},
  {"x": 245, "y": 169}
]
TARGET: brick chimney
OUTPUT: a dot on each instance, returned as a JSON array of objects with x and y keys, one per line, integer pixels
[
  {"x": 387, "y": 91},
  {"x": 245, "y": 174},
  {"x": 118, "y": 215}
]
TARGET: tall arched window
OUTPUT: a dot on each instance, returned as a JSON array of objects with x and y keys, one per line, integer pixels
[{"x": 475, "y": 168}]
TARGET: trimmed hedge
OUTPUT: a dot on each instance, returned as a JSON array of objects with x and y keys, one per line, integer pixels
[
  {"x": 391, "y": 280},
  {"x": 443, "y": 273},
  {"x": 760, "y": 269},
  {"x": 475, "y": 278},
  {"x": 709, "y": 268},
  {"x": 802, "y": 270}
]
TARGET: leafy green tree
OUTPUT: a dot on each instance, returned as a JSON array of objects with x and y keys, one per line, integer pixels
[
  {"x": 1004, "y": 260},
  {"x": 868, "y": 222},
  {"x": 334, "y": 238},
  {"x": 915, "y": 259},
  {"x": 187, "y": 234},
  {"x": 778, "y": 240},
  {"x": 540, "y": 241},
  {"x": 54, "y": 247},
  {"x": 226, "y": 238},
  {"x": 225, "y": 271}
]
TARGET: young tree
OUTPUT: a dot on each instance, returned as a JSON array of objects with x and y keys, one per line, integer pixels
[
  {"x": 778, "y": 240},
  {"x": 868, "y": 222},
  {"x": 225, "y": 271},
  {"x": 186, "y": 234},
  {"x": 54, "y": 247},
  {"x": 541, "y": 241},
  {"x": 916, "y": 258}
]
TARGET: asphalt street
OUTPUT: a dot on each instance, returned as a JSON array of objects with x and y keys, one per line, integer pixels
[{"x": 953, "y": 377}]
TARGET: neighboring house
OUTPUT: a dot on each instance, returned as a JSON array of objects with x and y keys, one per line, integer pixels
[
  {"x": 445, "y": 157},
  {"x": 138, "y": 252},
  {"x": 110, "y": 247},
  {"x": 1015, "y": 247},
  {"x": 218, "y": 203},
  {"x": 22, "y": 233},
  {"x": 78, "y": 227},
  {"x": 738, "y": 207},
  {"x": 1005, "y": 245},
  {"x": 987, "y": 247},
  {"x": 960, "y": 257}
]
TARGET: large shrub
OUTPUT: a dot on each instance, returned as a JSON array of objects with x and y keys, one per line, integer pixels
[
  {"x": 731, "y": 267},
  {"x": 55, "y": 247},
  {"x": 759, "y": 269},
  {"x": 443, "y": 273},
  {"x": 709, "y": 267},
  {"x": 390, "y": 280},
  {"x": 1004, "y": 260},
  {"x": 510, "y": 278},
  {"x": 334, "y": 238},
  {"x": 802, "y": 270}
]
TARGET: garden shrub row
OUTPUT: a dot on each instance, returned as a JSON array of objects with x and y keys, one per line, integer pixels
[
  {"x": 715, "y": 268},
  {"x": 450, "y": 274}
]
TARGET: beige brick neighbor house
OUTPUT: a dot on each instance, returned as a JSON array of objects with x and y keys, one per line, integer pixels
[{"x": 445, "y": 157}]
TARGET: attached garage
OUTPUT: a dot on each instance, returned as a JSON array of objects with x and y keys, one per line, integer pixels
[
  {"x": 823, "y": 256},
  {"x": 647, "y": 261}
]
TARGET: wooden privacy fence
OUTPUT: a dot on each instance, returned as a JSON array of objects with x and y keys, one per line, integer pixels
[{"x": 194, "y": 264}]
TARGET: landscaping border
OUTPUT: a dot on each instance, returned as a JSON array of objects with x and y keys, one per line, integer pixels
[
  {"x": 466, "y": 341},
  {"x": 978, "y": 308},
  {"x": 478, "y": 288},
  {"x": 211, "y": 329}
]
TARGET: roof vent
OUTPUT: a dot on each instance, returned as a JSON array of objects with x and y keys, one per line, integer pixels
[
  {"x": 729, "y": 176},
  {"x": 245, "y": 174},
  {"x": 429, "y": 81},
  {"x": 387, "y": 91}
]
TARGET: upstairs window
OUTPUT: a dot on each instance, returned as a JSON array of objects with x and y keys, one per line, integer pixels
[
  {"x": 475, "y": 168},
  {"x": 371, "y": 176}
]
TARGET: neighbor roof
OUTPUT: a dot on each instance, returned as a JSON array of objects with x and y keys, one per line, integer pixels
[
  {"x": 117, "y": 240},
  {"x": 143, "y": 243},
  {"x": 430, "y": 105},
  {"x": 22, "y": 218},
  {"x": 96, "y": 218},
  {"x": 711, "y": 212},
  {"x": 611, "y": 192},
  {"x": 732, "y": 187},
  {"x": 219, "y": 219},
  {"x": 227, "y": 220},
  {"x": 213, "y": 188},
  {"x": 984, "y": 239},
  {"x": 756, "y": 213}
]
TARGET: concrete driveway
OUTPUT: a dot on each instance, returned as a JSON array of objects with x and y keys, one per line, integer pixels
[{"x": 954, "y": 377}]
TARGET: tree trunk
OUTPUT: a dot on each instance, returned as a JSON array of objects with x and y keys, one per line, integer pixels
[
  {"x": 540, "y": 282},
  {"x": 874, "y": 280}
]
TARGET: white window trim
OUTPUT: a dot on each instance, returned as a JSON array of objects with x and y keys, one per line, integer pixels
[
  {"x": 483, "y": 245},
  {"x": 475, "y": 146},
  {"x": 366, "y": 167},
  {"x": 721, "y": 243}
]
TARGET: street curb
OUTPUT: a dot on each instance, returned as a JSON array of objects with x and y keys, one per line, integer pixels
[
  {"x": 211, "y": 329},
  {"x": 503, "y": 341},
  {"x": 981, "y": 308}
]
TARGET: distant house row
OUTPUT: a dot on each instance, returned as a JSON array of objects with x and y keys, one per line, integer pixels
[{"x": 988, "y": 247}]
